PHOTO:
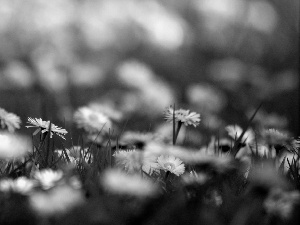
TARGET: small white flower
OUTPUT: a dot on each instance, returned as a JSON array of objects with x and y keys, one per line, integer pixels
[
  {"x": 129, "y": 160},
  {"x": 274, "y": 137},
  {"x": 281, "y": 202},
  {"x": 43, "y": 126},
  {"x": 48, "y": 177},
  {"x": 171, "y": 164},
  {"x": 58, "y": 200},
  {"x": 9, "y": 120},
  {"x": 195, "y": 178},
  {"x": 91, "y": 120},
  {"x": 21, "y": 185},
  {"x": 235, "y": 132},
  {"x": 181, "y": 115},
  {"x": 14, "y": 146},
  {"x": 118, "y": 182}
]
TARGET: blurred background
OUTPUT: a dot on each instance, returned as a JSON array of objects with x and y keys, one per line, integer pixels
[{"x": 220, "y": 58}]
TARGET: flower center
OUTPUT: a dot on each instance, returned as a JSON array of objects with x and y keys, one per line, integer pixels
[
  {"x": 169, "y": 166},
  {"x": 93, "y": 117}
]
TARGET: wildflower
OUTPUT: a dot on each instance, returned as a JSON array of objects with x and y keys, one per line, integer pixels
[
  {"x": 171, "y": 164},
  {"x": 91, "y": 120},
  {"x": 281, "y": 202},
  {"x": 130, "y": 160},
  {"x": 275, "y": 137},
  {"x": 9, "y": 120},
  {"x": 76, "y": 154},
  {"x": 13, "y": 146},
  {"x": 43, "y": 126},
  {"x": 58, "y": 200},
  {"x": 118, "y": 182},
  {"x": 183, "y": 116},
  {"x": 195, "y": 178},
  {"x": 21, "y": 185},
  {"x": 108, "y": 110},
  {"x": 48, "y": 177},
  {"x": 235, "y": 132}
]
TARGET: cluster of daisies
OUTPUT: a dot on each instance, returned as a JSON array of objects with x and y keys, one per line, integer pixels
[{"x": 140, "y": 164}]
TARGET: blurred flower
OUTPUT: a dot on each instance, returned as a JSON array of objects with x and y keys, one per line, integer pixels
[
  {"x": 118, "y": 182},
  {"x": 43, "y": 126},
  {"x": 140, "y": 99},
  {"x": 183, "y": 116},
  {"x": 171, "y": 164},
  {"x": 235, "y": 132},
  {"x": 195, "y": 178},
  {"x": 274, "y": 137},
  {"x": 91, "y": 120},
  {"x": 206, "y": 97},
  {"x": 58, "y": 200},
  {"x": 108, "y": 110},
  {"x": 48, "y": 177},
  {"x": 14, "y": 146},
  {"x": 129, "y": 160},
  {"x": 263, "y": 150},
  {"x": 9, "y": 120},
  {"x": 281, "y": 203},
  {"x": 76, "y": 154},
  {"x": 289, "y": 160},
  {"x": 21, "y": 185}
]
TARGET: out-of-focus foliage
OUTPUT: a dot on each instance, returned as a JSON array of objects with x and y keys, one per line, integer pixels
[{"x": 220, "y": 57}]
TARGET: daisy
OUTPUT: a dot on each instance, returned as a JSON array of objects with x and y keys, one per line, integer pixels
[
  {"x": 184, "y": 116},
  {"x": 43, "y": 126},
  {"x": 171, "y": 164},
  {"x": 91, "y": 120},
  {"x": 21, "y": 185},
  {"x": 13, "y": 146},
  {"x": 56, "y": 201},
  {"x": 118, "y": 182},
  {"x": 79, "y": 153},
  {"x": 9, "y": 120},
  {"x": 274, "y": 137},
  {"x": 48, "y": 177},
  {"x": 282, "y": 203},
  {"x": 235, "y": 131},
  {"x": 195, "y": 178},
  {"x": 130, "y": 160}
]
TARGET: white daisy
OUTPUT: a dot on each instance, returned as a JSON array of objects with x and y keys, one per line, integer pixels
[
  {"x": 56, "y": 201},
  {"x": 171, "y": 164},
  {"x": 274, "y": 137},
  {"x": 48, "y": 177},
  {"x": 235, "y": 132},
  {"x": 280, "y": 202},
  {"x": 14, "y": 146},
  {"x": 129, "y": 160},
  {"x": 91, "y": 120},
  {"x": 43, "y": 126},
  {"x": 195, "y": 178},
  {"x": 9, "y": 120},
  {"x": 118, "y": 182},
  {"x": 181, "y": 115},
  {"x": 21, "y": 185}
]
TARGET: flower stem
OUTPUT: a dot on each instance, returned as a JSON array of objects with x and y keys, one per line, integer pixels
[
  {"x": 177, "y": 132},
  {"x": 167, "y": 174}
]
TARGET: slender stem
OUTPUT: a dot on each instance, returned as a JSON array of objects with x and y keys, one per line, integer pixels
[
  {"x": 177, "y": 132},
  {"x": 174, "y": 125},
  {"x": 167, "y": 174}
]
